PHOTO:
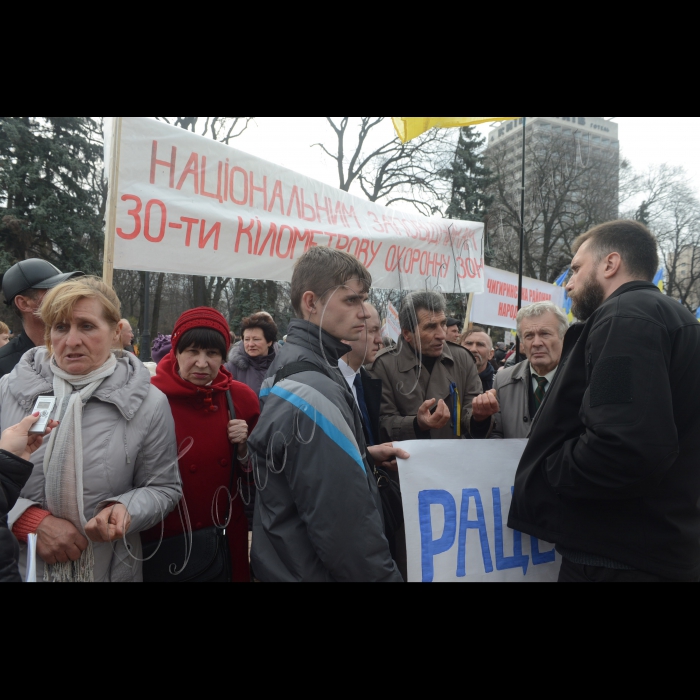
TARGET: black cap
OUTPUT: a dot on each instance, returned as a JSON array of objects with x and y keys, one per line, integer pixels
[
  {"x": 453, "y": 322},
  {"x": 33, "y": 274}
]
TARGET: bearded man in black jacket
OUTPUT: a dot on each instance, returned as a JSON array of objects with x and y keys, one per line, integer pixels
[
  {"x": 611, "y": 474},
  {"x": 16, "y": 447}
]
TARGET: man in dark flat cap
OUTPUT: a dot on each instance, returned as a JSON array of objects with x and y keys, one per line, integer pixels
[{"x": 24, "y": 286}]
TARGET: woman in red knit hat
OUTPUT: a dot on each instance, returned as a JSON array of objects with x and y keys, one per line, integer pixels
[{"x": 196, "y": 383}]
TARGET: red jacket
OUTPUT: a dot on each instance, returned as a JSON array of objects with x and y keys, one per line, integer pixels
[{"x": 201, "y": 413}]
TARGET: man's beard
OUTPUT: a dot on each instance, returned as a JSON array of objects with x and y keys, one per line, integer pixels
[{"x": 588, "y": 299}]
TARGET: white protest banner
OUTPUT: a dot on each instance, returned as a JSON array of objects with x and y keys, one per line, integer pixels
[
  {"x": 393, "y": 324},
  {"x": 457, "y": 496},
  {"x": 498, "y": 305},
  {"x": 187, "y": 204}
]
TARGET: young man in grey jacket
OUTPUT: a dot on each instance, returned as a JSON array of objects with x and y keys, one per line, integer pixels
[{"x": 318, "y": 514}]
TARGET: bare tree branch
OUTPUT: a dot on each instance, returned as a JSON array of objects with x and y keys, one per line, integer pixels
[
  {"x": 389, "y": 171},
  {"x": 570, "y": 189}
]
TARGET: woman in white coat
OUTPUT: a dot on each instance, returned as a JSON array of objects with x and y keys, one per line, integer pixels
[{"x": 110, "y": 470}]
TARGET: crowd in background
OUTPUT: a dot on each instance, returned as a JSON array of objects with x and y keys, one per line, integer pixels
[{"x": 165, "y": 471}]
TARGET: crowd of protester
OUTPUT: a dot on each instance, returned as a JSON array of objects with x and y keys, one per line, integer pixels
[{"x": 165, "y": 472}]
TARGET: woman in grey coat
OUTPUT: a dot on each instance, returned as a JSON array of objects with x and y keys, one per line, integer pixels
[
  {"x": 250, "y": 360},
  {"x": 110, "y": 470}
]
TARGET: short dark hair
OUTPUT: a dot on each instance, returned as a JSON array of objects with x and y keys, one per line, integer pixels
[
  {"x": 32, "y": 294},
  {"x": 202, "y": 339},
  {"x": 416, "y": 302},
  {"x": 263, "y": 323},
  {"x": 321, "y": 270},
  {"x": 635, "y": 243}
]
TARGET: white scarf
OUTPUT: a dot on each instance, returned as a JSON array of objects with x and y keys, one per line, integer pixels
[{"x": 63, "y": 463}]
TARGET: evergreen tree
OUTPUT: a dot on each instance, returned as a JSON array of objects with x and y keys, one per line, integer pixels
[
  {"x": 470, "y": 178},
  {"x": 51, "y": 196},
  {"x": 251, "y": 297}
]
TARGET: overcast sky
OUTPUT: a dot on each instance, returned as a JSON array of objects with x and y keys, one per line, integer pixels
[{"x": 645, "y": 141}]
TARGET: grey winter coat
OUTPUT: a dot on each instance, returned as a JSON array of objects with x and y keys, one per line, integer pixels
[
  {"x": 514, "y": 421},
  {"x": 248, "y": 370},
  {"x": 318, "y": 516},
  {"x": 129, "y": 453}
]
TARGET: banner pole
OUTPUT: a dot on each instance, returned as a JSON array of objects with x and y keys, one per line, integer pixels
[
  {"x": 468, "y": 319},
  {"x": 112, "y": 201},
  {"x": 522, "y": 235}
]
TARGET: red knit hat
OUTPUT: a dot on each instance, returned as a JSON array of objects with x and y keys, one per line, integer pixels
[{"x": 203, "y": 317}]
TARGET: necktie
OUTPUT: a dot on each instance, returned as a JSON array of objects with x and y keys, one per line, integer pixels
[
  {"x": 540, "y": 392},
  {"x": 363, "y": 409}
]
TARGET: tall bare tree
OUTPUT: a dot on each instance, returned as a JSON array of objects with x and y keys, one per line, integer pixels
[
  {"x": 369, "y": 156},
  {"x": 571, "y": 186},
  {"x": 670, "y": 207}
]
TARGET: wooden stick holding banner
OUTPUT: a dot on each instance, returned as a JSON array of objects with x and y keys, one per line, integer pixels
[
  {"x": 113, "y": 199},
  {"x": 468, "y": 319}
]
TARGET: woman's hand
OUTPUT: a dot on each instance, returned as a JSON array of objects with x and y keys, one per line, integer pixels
[
  {"x": 111, "y": 525},
  {"x": 59, "y": 541},
  {"x": 238, "y": 432},
  {"x": 19, "y": 442}
]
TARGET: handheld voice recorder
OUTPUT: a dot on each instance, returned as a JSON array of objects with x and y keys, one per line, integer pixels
[{"x": 45, "y": 406}]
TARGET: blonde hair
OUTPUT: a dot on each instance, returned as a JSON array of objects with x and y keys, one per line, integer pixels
[
  {"x": 60, "y": 302},
  {"x": 4, "y": 328}
]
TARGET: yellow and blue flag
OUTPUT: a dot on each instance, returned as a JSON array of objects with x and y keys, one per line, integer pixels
[
  {"x": 697, "y": 315},
  {"x": 659, "y": 279},
  {"x": 568, "y": 303},
  {"x": 409, "y": 128}
]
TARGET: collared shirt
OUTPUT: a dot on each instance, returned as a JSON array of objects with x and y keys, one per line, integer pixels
[
  {"x": 549, "y": 377},
  {"x": 349, "y": 373}
]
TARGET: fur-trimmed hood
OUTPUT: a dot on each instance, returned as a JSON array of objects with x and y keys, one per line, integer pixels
[{"x": 250, "y": 370}]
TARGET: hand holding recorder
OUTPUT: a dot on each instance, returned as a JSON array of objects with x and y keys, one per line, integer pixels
[{"x": 21, "y": 441}]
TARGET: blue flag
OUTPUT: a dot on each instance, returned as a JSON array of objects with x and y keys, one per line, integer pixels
[
  {"x": 562, "y": 280},
  {"x": 659, "y": 279}
]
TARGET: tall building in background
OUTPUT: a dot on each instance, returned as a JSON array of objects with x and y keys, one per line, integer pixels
[
  {"x": 572, "y": 184},
  {"x": 598, "y": 132}
]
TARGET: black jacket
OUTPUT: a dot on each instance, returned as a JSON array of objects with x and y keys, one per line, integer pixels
[
  {"x": 13, "y": 352},
  {"x": 612, "y": 468},
  {"x": 14, "y": 474},
  {"x": 373, "y": 399},
  {"x": 488, "y": 377}
]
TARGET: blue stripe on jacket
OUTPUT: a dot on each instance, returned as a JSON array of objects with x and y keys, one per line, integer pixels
[{"x": 324, "y": 423}]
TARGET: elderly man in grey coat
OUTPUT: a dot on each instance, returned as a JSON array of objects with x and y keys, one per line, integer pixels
[{"x": 521, "y": 389}]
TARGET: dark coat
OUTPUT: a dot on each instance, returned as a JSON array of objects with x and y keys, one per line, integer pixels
[
  {"x": 14, "y": 474},
  {"x": 487, "y": 377},
  {"x": 373, "y": 399},
  {"x": 13, "y": 352},
  {"x": 319, "y": 517},
  {"x": 612, "y": 468},
  {"x": 248, "y": 370}
]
